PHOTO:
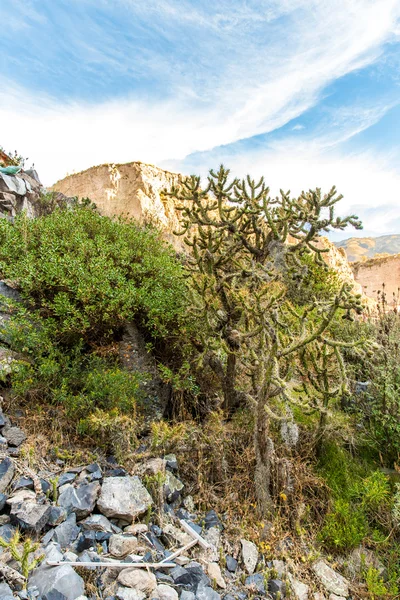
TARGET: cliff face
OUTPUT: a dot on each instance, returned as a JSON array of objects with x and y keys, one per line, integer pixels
[
  {"x": 132, "y": 189},
  {"x": 375, "y": 273}
]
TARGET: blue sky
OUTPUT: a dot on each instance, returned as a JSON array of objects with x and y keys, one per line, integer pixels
[{"x": 306, "y": 92}]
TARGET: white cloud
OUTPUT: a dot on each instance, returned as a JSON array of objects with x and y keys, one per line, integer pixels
[{"x": 258, "y": 83}]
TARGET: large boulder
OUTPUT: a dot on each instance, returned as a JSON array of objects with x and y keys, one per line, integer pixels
[
  {"x": 331, "y": 580},
  {"x": 123, "y": 498},
  {"x": 60, "y": 582},
  {"x": 81, "y": 499}
]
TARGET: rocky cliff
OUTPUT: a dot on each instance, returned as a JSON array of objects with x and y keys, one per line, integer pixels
[
  {"x": 132, "y": 189},
  {"x": 379, "y": 274}
]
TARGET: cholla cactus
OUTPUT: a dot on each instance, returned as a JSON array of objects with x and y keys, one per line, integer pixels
[
  {"x": 244, "y": 247},
  {"x": 21, "y": 552}
]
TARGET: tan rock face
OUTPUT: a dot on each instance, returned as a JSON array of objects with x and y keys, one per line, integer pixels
[
  {"x": 376, "y": 272},
  {"x": 132, "y": 189}
]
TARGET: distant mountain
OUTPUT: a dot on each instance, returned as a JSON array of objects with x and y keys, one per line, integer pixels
[{"x": 369, "y": 247}]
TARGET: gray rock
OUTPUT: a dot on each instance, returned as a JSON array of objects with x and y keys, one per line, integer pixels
[
  {"x": 255, "y": 583},
  {"x": 123, "y": 498},
  {"x": 171, "y": 462},
  {"x": 120, "y": 545},
  {"x": 124, "y": 593},
  {"x": 186, "y": 595},
  {"x": 8, "y": 292},
  {"x": 6, "y": 473},
  {"x": 3, "y": 499},
  {"x": 6, "y": 592},
  {"x": 231, "y": 563},
  {"x": 66, "y": 478},
  {"x": 182, "y": 576},
  {"x": 97, "y": 523},
  {"x": 2, "y": 419},
  {"x": 23, "y": 482},
  {"x": 205, "y": 592},
  {"x": 332, "y": 581},
  {"x": 172, "y": 487},
  {"x": 30, "y": 515},
  {"x": 249, "y": 555},
  {"x": 277, "y": 588},
  {"x": 66, "y": 533},
  {"x": 14, "y": 435},
  {"x": 7, "y": 531},
  {"x": 299, "y": 589},
  {"x": 58, "y": 514},
  {"x": 80, "y": 500},
  {"x": 361, "y": 559},
  {"x": 62, "y": 580}
]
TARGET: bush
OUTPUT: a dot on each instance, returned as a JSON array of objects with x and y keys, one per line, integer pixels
[{"x": 88, "y": 274}]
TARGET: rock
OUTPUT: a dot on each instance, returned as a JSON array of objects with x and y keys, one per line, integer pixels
[
  {"x": 172, "y": 487},
  {"x": 97, "y": 523},
  {"x": 14, "y": 435},
  {"x": 86, "y": 540},
  {"x": 214, "y": 573},
  {"x": 300, "y": 589},
  {"x": 66, "y": 533},
  {"x": 361, "y": 559},
  {"x": 136, "y": 529},
  {"x": 205, "y": 592},
  {"x": 280, "y": 567},
  {"x": 188, "y": 503},
  {"x": 211, "y": 520},
  {"x": 153, "y": 466},
  {"x": 255, "y": 583},
  {"x": 23, "y": 495},
  {"x": 62, "y": 579},
  {"x": 58, "y": 514},
  {"x": 2, "y": 419},
  {"x": 277, "y": 588},
  {"x": 171, "y": 462},
  {"x": 177, "y": 534},
  {"x": 30, "y": 515},
  {"x": 23, "y": 482},
  {"x": 181, "y": 576},
  {"x": 186, "y": 595},
  {"x": 81, "y": 499},
  {"x": 6, "y": 592},
  {"x": 334, "y": 597},
  {"x": 124, "y": 593},
  {"x": 231, "y": 563},
  {"x": 6, "y": 473},
  {"x": 197, "y": 575},
  {"x": 166, "y": 592},
  {"x": 3, "y": 499},
  {"x": 249, "y": 556},
  {"x": 121, "y": 545},
  {"x": 123, "y": 498},
  {"x": 139, "y": 579},
  {"x": 332, "y": 581},
  {"x": 66, "y": 478},
  {"x": 6, "y": 532}
]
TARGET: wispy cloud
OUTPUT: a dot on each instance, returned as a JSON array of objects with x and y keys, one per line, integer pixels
[{"x": 165, "y": 79}]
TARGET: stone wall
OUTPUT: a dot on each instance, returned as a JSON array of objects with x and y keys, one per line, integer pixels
[
  {"x": 19, "y": 192},
  {"x": 376, "y": 272}
]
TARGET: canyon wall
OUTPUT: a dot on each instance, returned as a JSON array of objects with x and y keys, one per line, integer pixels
[{"x": 375, "y": 273}]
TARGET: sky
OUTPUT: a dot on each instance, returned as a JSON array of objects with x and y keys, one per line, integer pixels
[{"x": 304, "y": 92}]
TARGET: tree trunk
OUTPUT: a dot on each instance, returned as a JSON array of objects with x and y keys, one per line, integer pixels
[
  {"x": 230, "y": 393},
  {"x": 264, "y": 449}
]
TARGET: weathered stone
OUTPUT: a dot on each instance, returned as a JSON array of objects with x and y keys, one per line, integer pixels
[
  {"x": 6, "y": 473},
  {"x": 97, "y": 523},
  {"x": 335, "y": 597},
  {"x": 136, "y": 528},
  {"x": 171, "y": 462},
  {"x": 172, "y": 487},
  {"x": 139, "y": 579},
  {"x": 299, "y": 589},
  {"x": 66, "y": 478},
  {"x": 6, "y": 532},
  {"x": 121, "y": 545},
  {"x": 214, "y": 573},
  {"x": 6, "y": 592},
  {"x": 23, "y": 495},
  {"x": 255, "y": 583},
  {"x": 30, "y": 515},
  {"x": 123, "y": 498},
  {"x": 249, "y": 556},
  {"x": 124, "y": 593},
  {"x": 212, "y": 520},
  {"x": 166, "y": 592},
  {"x": 3, "y": 499},
  {"x": 62, "y": 579},
  {"x": 330, "y": 579},
  {"x": 197, "y": 575},
  {"x": 85, "y": 541},
  {"x": 277, "y": 589},
  {"x": 23, "y": 482},
  {"x": 14, "y": 435},
  {"x": 205, "y": 592},
  {"x": 81, "y": 499},
  {"x": 280, "y": 567},
  {"x": 186, "y": 595},
  {"x": 58, "y": 514},
  {"x": 231, "y": 563},
  {"x": 177, "y": 534},
  {"x": 152, "y": 466},
  {"x": 66, "y": 533},
  {"x": 361, "y": 559}
]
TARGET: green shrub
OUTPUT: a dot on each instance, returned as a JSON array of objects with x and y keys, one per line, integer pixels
[
  {"x": 88, "y": 274},
  {"x": 344, "y": 528}
]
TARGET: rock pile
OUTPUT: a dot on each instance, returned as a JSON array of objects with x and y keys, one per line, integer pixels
[{"x": 100, "y": 514}]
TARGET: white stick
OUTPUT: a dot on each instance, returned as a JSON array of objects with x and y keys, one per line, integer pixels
[
  {"x": 179, "y": 551},
  {"x": 194, "y": 535},
  {"x": 57, "y": 563}
]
